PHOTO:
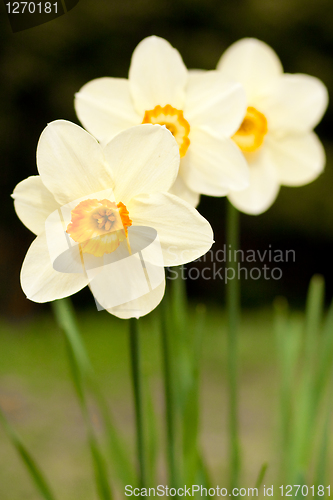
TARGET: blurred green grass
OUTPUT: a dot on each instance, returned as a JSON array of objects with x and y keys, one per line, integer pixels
[{"x": 37, "y": 396}]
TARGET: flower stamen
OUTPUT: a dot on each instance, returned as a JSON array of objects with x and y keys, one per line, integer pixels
[{"x": 173, "y": 119}]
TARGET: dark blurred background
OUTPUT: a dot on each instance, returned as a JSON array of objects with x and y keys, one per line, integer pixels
[{"x": 41, "y": 69}]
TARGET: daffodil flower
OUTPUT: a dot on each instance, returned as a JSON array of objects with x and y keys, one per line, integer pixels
[
  {"x": 202, "y": 111},
  {"x": 136, "y": 168},
  {"x": 276, "y": 134}
]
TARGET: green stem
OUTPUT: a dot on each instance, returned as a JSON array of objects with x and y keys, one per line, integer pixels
[
  {"x": 80, "y": 367},
  {"x": 137, "y": 388},
  {"x": 169, "y": 403},
  {"x": 233, "y": 313}
]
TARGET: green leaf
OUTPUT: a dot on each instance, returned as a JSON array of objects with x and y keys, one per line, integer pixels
[
  {"x": 152, "y": 436},
  {"x": 191, "y": 408},
  {"x": 124, "y": 469},
  {"x": 100, "y": 469},
  {"x": 307, "y": 404},
  {"x": 325, "y": 357},
  {"x": 313, "y": 318},
  {"x": 323, "y": 456},
  {"x": 80, "y": 366},
  {"x": 288, "y": 339},
  {"x": 33, "y": 469},
  {"x": 261, "y": 476},
  {"x": 65, "y": 316},
  {"x": 170, "y": 362}
]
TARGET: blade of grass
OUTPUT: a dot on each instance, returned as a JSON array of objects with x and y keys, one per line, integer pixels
[
  {"x": 168, "y": 374},
  {"x": 325, "y": 357},
  {"x": 124, "y": 470},
  {"x": 179, "y": 299},
  {"x": 313, "y": 318},
  {"x": 191, "y": 412},
  {"x": 300, "y": 479},
  {"x": 181, "y": 348},
  {"x": 203, "y": 476},
  {"x": 65, "y": 316},
  {"x": 31, "y": 466},
  {"x": 233, "y": 313},
  {"x": 261, "y": 476},
  {"x": 152, "y": 437},
  {"x": 322, "y": 464},
  {"x": 185, "y": 334},
  {"x": 179, "y": 335},
  {"x": 138, "y": 401},
  {"x": 101, "y": 478},
  {"x": 325, "y": 380},
  {"x": 306, "y": 410},
  {"x": 79, "y": 367},
  {"x": 288, "y": 339}
]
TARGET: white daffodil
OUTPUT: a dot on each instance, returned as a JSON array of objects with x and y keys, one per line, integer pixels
[
  {"x": 105, "y": 233},
  {"x": 276, "y": 134},
  {"x": 202, "y": 110}
]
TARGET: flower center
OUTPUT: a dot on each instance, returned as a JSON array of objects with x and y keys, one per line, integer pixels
[
  {"x": 174, "y": 121},
  {"x": 99, "y": 226},
  {"x": 250, "y": 135}
]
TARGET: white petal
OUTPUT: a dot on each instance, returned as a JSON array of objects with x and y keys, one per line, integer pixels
[
  {"x": 179, "y": 188},
  {"x": 214, "y": 102},
  {"x": 128, "y": 277},
  {"x": 33, "y": 203},
  {"x": 183, "y": 233},
  {"x": 294, "y": 103},
  {"x": 143, "y": 159},
  {"x": 105, "y": 107},
  {"x": 252, "y": 63},
  {"x": 40, "y": 282},
  {"x": 298, "y": 159},
  {"x": 196, "y": 71},
  {"x": 213, "y": 166},
  {"x": 141, "y": 306},
  {"x": 263, "y": 188},
  {"x": 119, "y": 282},
  {"x": 157, "y": 75},
  {"x": 71, "y": 162}
]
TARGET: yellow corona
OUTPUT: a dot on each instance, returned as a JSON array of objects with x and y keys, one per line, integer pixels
[
  {"x": 99, "y": 226},
  {"x": 250, "y": 135},
  {"x": 174, "y": 120}
]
